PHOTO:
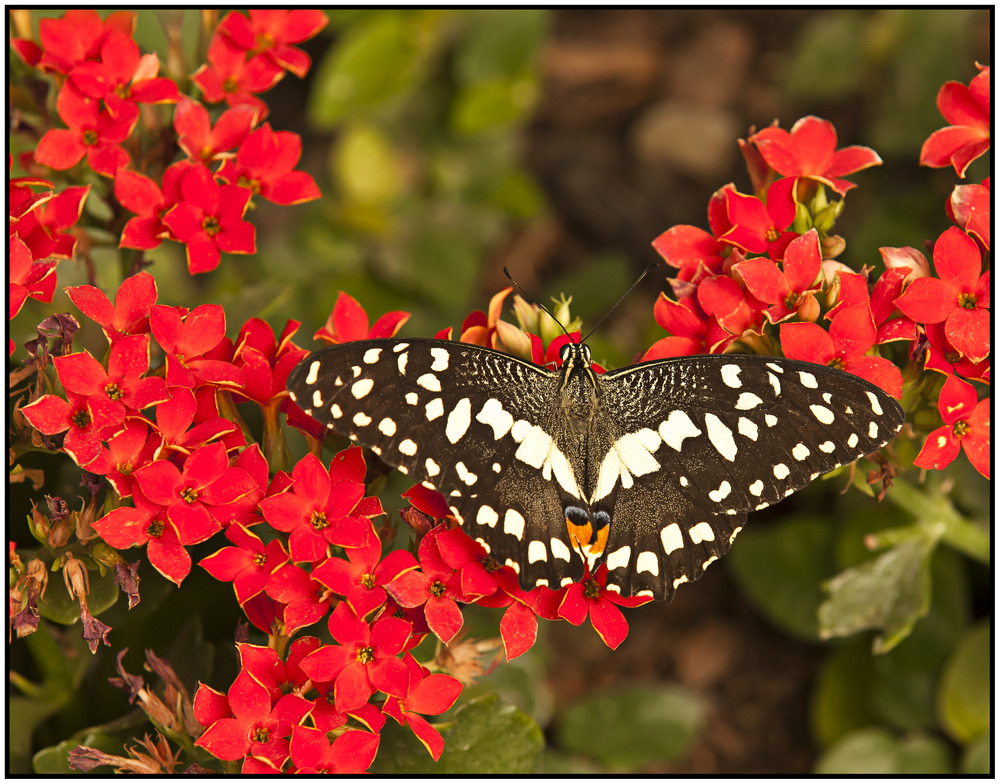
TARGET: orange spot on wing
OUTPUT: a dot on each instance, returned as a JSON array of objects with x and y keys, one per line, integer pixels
[{"x": 581, "y": 537}]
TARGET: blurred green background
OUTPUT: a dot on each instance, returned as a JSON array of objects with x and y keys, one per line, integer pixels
[{"x": 450, "y": 143}]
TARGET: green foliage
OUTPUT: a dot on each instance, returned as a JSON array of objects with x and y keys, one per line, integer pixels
[
  {"x": 484, "y": 737},
  {"x": 628, "y": 728},
  {"x": 877, "y": 752},
  {"x": 964, "y": 695}
]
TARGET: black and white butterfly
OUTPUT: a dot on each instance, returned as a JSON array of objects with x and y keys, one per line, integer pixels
[{"x": 649, "y": 469}]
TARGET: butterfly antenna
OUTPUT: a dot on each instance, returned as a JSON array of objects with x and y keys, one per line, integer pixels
[
  {"x": 645, "y": 272},
  {"x": 532, "y": 299}
]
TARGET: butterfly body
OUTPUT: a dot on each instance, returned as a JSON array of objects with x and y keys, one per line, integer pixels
[{"x": 649, "y": 469}]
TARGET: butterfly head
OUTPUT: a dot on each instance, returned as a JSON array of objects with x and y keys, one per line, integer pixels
[{"x": 575, "y": 355}]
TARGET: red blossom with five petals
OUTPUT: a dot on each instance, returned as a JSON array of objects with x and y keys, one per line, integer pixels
[
  {"x": 966, "y": 426},
  {"x": 271, "y": 31},
  {"x": 810, "y": 150},
  {"x": 967, "y": 109},
  {"x": 959, "y": 297},
  {"x": 591, "y": 597},
  {"x": 248, "y": 565},
  {"x": 429, "y": 695}
]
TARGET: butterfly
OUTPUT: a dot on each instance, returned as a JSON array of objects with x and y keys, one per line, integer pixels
[{"x": 649, "y": 469}]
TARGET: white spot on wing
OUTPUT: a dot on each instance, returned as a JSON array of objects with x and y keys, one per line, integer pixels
[
  {"x": 873, "y": 430},
  {"x": 619, "y": 558},
  {"x": 800, "y": 452},
  {"x": 493, "y": 414},
  {"x": 361, "y": 388},
  {"x": 434, "y": 409},
  {"x": 317, "y": 399},
  {"x": 756, "y": 488},
  {"x": 371, "y": 356},
  {"x": 731, "y": 376},
  {"x": 747, "y": 428},
  {"x": 440, "y": 360},
  {"x": 671, "y": 538},
  {"x": 775, "y": 384},
  {"x": 724, "y": 489},
  {"x": 513, "y": 523},
  {"x": 876, "y": 407},
  {"x": 487, "y": 515},
  {"x": 827, "y": 446},
  {"x": 361, "y": 419},
  {"x": 648, "y": 562},
  {"x": 335, "y": 411},
  {"x": 411, "y": 398},
  {"x": 676, "y": 427},
  {"x": 401, "y": 363},
  {"x": 747, "y": 401},
  {"x": 407, "y": 447},
  {"x": 702, "y": 532},
  {"x": 536, "y": 551},
  {"x": 433, "y": 469},
  {"x": 313, "y": 372},
  {"x": 781, "y": 471},
  {"x": 721, "y": 437},
  {"x": 808, "y": 380},
  {"x": 429, "y": 382},
  {"x": 822, "y": 413},
  {"x": 559, "y": 550},
  {"x": 387, "y": 426},
  {"x": 459, "y": 420},
  {"x": 852, "y": 440},
  {"x": 465, "y": 474}
]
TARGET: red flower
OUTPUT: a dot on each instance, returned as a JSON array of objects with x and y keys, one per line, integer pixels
[
  {"x": 788, "y": 292},
  {"x": 960, "y": 297},
  {"x": 209, "y": 220},
  {"x": 35, "y": 279},
  {"x": 254, "y": 727},
  {"x": 265, "y": 164},
  {"x": 270, "y": 31},
  {"x": 122, "y": 383},
  {"x": 248, "y": 565},
  {"x": 92, "y": 132},
  {"x": 852, "y": 334},
  {"x": 364, "y": 661},
  {"x": 203, "y": 143},
  {"x": 348, "y": 321},
  {"x": 969, "y": 208},
  {"x": 944, "y": 358},
  {"x": 187, "y": 339},
  {"x": 966, "y": 425},
  {"x": 810, "y": 150},
  {"x": 352, "y": 752},
  {"x": 85, "y": 420},
  {"x": 758, "y": 227},
  {"x": 127, "y": 452},
  {"x": 305, "y": 599},
  {"x": 323, "y": 507},
  {"x": 231, "y": 76},
  {"x": 591, "y": 597},
  {"x": 77, "y": 36},
  {"x": 437, "y": 587},
  {"x": 130, "y": 313},
  {"x": 689, "y": 248},
  {"x": 123, "y": 77},
  {"x": 428, "y": 695},
  {"x": 45, "y": 228},
  {"x": 967, "y": 109},
  {"x": 195, "y": 494},
  {"x": 362, "y": 577}
]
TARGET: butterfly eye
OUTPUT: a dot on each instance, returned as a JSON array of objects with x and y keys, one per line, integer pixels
[{"x": 564, "y": 351}]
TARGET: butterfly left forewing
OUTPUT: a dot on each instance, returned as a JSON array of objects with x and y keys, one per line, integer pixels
[{"x": 467, "y": 421}]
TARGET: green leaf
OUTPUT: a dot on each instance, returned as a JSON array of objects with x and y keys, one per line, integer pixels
[
  {"x": 888, "y": 593},
  {"x": 964, "y": 696},
  {"x": 490, "y": 105},
  {"x": 366, "y": 166},
  {"x": 875, "y": 751},
  {"x": 631, "y": 727},
  {"x": 60, "y": 607},
  {"x": 377, "y": 59},
  {"x": 978, "y": 759},
  {"x": 484, "y": 737},
  {"x": 499, "y": 43},
  {"x": 841, "y": 701},
  {"x": 781, "y": 567}
]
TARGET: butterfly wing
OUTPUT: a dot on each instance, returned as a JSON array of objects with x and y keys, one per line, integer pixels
[
  {"x": 464, "y": 420},
  {"x": 700, "y": 441}
]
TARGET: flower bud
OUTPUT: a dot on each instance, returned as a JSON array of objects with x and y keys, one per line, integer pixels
[
  {"x": 514, "y": 340},
  {"x": 808, "y": 309},
  {"x": 832, "y": 246}
]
